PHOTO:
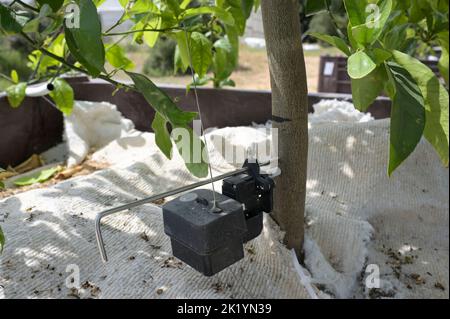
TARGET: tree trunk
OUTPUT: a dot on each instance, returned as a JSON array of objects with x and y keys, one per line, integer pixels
[{"x": 290, "y": 114}]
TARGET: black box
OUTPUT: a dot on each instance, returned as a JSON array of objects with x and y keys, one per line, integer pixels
[
  {"x": 244, "y": 189},
  {"x": 207, "y": 241}
]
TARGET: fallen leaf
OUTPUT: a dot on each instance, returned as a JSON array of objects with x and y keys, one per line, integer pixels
[
  {"x": 39, "y": 177},
  {"x": 33, "y": 162}
]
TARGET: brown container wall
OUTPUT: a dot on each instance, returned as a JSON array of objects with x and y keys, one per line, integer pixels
[
  {"x": 37, "y": 126},
  {"x": 334, "y": 78},
  {"x": 30, "y": 129}
]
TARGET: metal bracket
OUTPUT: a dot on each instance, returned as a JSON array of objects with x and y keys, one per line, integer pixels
[{"x": 101, "y": 215}]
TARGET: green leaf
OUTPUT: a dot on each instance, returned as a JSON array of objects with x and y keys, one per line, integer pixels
[
  {"x": 39, "y": 177},
  {"x": 436, "y": 103},
  {"x": 32, "y": 25},
  {"x": 444, "y": 60},
  {"x": 54, "y": 4},
  {"x": 63, "y": 96},
  {"x": 174, "y": 6},
  {"x": 417, "y": 12},
  {"x": 193, "y": 154},
  {"x": 233, "y": 37},
  {"x": 150, "y": 38},
  {"x": 198, "y": 82},
  {"x": 396, "y": 37},
  {"x": 16, "y": 94},
  {"x": 315, "y": 6},
  {"x": 160, "y": 101},
  {"x": 162, "y": 136},
  {"x": 124, "y": 3},
  {"x": 220, "y": 13},
  {"x": 182, "y": 41},
  {"x": 224, "y": 59},
  {"x": 257, "y": 5},
  {"x": 168, "y": 112},
  {"x": 8, "y": 23},
  {"x": 379, "y": 56},
  {"x": 143, "y": 7},
  {"x": 367, "y": 89},
  {"x": 247, "y": 6},
  {"x": 355, "y": 45},
  {"x": 201, "y": 51},
  {"x": 98, "y": 3},
  {"x": 2, "y": 241},
  {"x": 370, "y": 30},
  {"x": 85, "y": 43},
  {"x": 334, "y": 41},
  {"x": 185, "y": 4},
  {"x": 115, "y": 55},
  {"x": 227, "y": 82},
  {"x": 178, "y": 63},
  {"x": 356, "y": 11},
  {"x": 14, "y": 76},
  {"x": 443, "y": 65},
  {"x": 360, "y": 65},
  {"x": 407, "y": 116},
  {"x": 235, "y": 8}
]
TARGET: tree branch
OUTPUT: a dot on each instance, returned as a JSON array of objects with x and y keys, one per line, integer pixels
[
  {"x": 138, "y": 31},
  {"x": 74, "y": 67}
]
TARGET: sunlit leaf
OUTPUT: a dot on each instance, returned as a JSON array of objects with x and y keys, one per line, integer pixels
[
  {"x": 16, "y": 94},
  {"x": 436, "y": 103},
  {"x": 444, "y": 60},
  {"x": 182, "y": 40},
  {"x": 63, "y": 96},
  {"x": 360, "y": 64},
  {"x": 115, "y": 55},
  {"x": 220, "y": 13},
  {"x": 223, "y": 60},
  {"x": 39, "y": 177},
  {"x": 235, "y": 8},
  {"x": 14, "y": 76},
  {"x": 201, "y": 51}
]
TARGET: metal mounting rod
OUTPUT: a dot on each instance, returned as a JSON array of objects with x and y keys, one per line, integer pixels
[{"x": 101, "y": 215}]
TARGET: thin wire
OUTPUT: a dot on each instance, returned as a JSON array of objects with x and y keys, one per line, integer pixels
[{"x": 200, "y": 115}]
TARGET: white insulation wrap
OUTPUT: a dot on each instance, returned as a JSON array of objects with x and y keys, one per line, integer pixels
[{"x": 356, "y": 216}]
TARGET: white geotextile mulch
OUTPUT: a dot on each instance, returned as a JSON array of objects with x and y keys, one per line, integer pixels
[{"x": 356, "y": 216}]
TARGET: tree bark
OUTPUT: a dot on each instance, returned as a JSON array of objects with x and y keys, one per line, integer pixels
[{"x": 290, "y": 114}]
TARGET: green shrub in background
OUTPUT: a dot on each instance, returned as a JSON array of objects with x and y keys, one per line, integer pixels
[
  {"x": 331, "y": 22},
  {"x": 160, "y": 58},
  {"x": 322, "y": 23},
  {"x": 12, "y": 58}
]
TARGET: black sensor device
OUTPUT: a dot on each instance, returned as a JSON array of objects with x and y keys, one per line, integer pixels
[{"x": 211, "y": 240}]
